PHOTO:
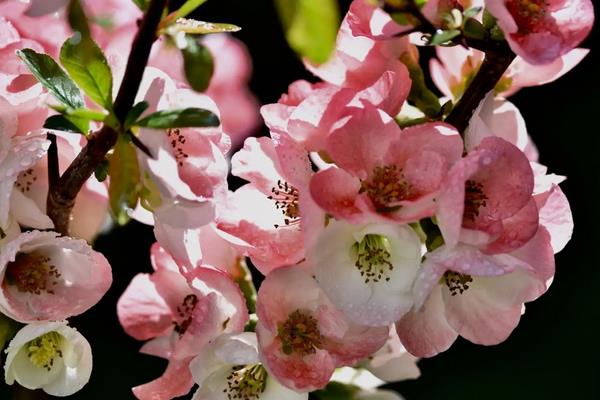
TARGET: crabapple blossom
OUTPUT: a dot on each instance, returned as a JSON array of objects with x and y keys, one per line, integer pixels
[
  {"x": 384, "y": 172},
  {"x": 367, "y": 270},
  {"x": 541, "y": 31},
  {"x": 302, "y": 337},
  {"x": 17, "y": 155},
  {"x": 50, "y": 356},
  {"x": 186, "y": 172},
  {"x": 29, "y": 198},
  {"x": 48, "y": 278},
  {"x": 230, "y": 368},
  {"x": 265, "y": 214},
  {"x": 181, "y": 314},
  {"x": 456, "y": 66}
]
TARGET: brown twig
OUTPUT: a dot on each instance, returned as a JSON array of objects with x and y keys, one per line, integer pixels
[
  {"x": 61, "y": 198},
  {"x": 491, "y": 71}
]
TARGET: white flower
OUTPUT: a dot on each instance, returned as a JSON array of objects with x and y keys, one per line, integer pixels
[
  {"x": 49, "y": 356},
  {"x": 367, "y": 271},
  {"x": 230, "y": 368}
]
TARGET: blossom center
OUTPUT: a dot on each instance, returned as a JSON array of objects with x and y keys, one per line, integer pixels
[
  {"x": 25, "y": 180},
  {"x": 386, "y": 186},
  {"x": 42, "y": 350},
  {"x": 475, "y": 198},
  {"x": 286, "y": 200},
  {"x": 527, "y": 13},
  {"x": 299, "y": 334},
  {"x": 32, "y": 273},
  {"x": 457, "y": 283},
  {"x": 246, "y": 382},
  {"x": 177, "y": 140},
  {"x": 373, "y": 258},
  {"x": 185, "y": 313}
]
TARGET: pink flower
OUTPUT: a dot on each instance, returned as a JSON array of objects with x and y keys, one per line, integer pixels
[
  {"x": 456, "y": 66},
  {"x": 265, "y": 215},
  {"x": 49, "y": 278},
  {"x": 17, "y": 155},
  {"x": 480, "y": 296},
  {"x": 302, "y": 337},
  {"x": 541, "y": 31},
  {"x": 28, "y": 202},
  {"x": 490, "y": 192},
  {"x": 382, "y": 171},
  {"x": 181, "y": 314},
  {"x": 361, "y": 71},
  {"x": 187, "y": 173}
]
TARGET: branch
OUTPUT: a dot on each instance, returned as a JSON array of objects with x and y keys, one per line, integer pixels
[
  {"x": 61, "y": 198},
  {"x": 493, "y": 67}
]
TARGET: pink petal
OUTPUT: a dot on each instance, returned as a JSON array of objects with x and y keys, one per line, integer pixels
[
  {"x": 335, "y": 191},
  {"x": 176, "y": 381},
  {"x": 556, "y": 216},
  {"x": 142, "y": 311},
  {"x": 516, "y": 230},
  {"x": 426, "y": 332}
]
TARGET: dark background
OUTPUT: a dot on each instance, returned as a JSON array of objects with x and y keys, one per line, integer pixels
[{"x": 555, "y": 351}]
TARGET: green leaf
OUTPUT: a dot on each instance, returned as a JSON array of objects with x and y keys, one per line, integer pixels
[
  {"x": 49, "y": 74},
  {"x": 77, "y": 18},
  {"x": 472, "y": 12},
  {"x": 61, "y": 123},
  {"x": 83, "y": 113},
  {"x": 142, "y": 4},
  {"x": 8, "y": 329},
  {"x": 474, "y": 29},
  {"x": 182, "y": 118},
  {"x": 135, "y": 113},
  {"x": 443, "y": 37},
  {"x": 310, "y": 26},
  {"x": 198, "y": 64},
  {"x": 193, "y": 27},
  {"x": 187, "y": 8},
  {"x": 87, "y": 65},
  {"x": 124, "y": 173}
]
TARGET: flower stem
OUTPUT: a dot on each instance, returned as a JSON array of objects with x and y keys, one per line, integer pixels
[{"x": 61, "y": 197}]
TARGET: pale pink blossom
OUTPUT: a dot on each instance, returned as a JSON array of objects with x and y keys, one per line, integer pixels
[
  {"x": 302, "y": 337},
  {"x": 50, "y": 356},
  {"x": 541, "y": 31},
  {"x": 455, "y": 66},
  {"x": 229, "y": 367},
  {"x": 48, "y": 278},
  {"x": 187, "y": 172},
  {"x": 475, "y": 295},
  {"x": 181, "y": 314},
  {"x": 265, "y": 214},
  {"x": 383, "y": 172},
  {"x": 368, "y": 270},
  {"x": 28, "y": 200},
  {"x": 18, "y": 154}
]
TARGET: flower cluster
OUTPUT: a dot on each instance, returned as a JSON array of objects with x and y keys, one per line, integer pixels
[{"x": 384, "y": 230}]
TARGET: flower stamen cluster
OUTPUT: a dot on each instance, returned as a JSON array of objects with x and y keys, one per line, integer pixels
[
  {"x": 246, "y": 382},
  {"x": 373, "y": 258},
  {"x": 286, "y": 200},
  {"x": 457, "y": 283},
  {"x": 42, "y": 350},
  {"x": 184, "y": 312},
  {"x": 32, "y": 273},
  {"x": 300, "y": 334},
  {"x": 386, "y": 186},
  {"x": 475, "y": 198}
]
